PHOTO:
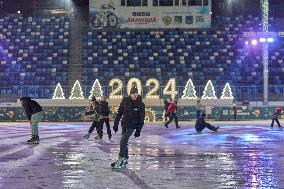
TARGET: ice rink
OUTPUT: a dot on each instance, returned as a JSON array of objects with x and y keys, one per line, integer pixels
[{"x": 240, "y": 155}]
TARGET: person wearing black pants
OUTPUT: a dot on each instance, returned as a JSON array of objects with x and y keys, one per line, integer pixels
[
  {"x": 103, "y": 112},
  {"x": 132, "y": 112},
  {"x": 172, "y": 114},
  {"x": 93, "y": 112},
  {"x": 275, "y": 116},
  {"x": 202, "y": 124}
]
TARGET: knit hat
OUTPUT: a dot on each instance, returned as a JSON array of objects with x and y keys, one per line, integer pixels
[{"x": 133, "y": 90}]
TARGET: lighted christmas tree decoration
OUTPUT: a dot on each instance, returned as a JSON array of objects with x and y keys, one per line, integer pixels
[
  {"x": 96, "y": 90},
  {"x": 76, "y": 92},
  {"x": 58, "y": 93},
  {"x": 189, "y": 91},
  {"x": 209, "y": 91},
  {"x": 137, "y": 84},
  {"x": 227, "y": 92}
]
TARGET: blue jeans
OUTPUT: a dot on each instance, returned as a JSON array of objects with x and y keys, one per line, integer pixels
[{"x": 123, "y": 153}]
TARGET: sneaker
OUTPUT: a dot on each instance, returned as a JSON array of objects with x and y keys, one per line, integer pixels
[
  {"x": 87, "y": 135},
  {"x": 120, "y": 163}
]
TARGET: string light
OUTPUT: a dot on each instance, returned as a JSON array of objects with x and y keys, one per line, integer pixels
[
  {"x": 151, "y": 93},
  {"x": 114, "y": 93}
]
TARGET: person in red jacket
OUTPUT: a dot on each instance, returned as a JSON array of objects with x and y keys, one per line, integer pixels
[
  {"x": 172, "y": 109},
  {"x": 275, "y": 117}
]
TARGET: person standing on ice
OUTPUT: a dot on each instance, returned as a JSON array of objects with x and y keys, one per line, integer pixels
[
  {"x": 275, "y": 117},
  {"x": 202, "y": 124},
  {"x": 167, "y": 102},
  {"x": 34, "y": 113},
  {"x": 172, "y": 109},
  {"x": 94, "y": 113},
  {"x": 132, "y": 111},
  {"x": 103, "y": 112},
  {"x": 235, "y": 110}
]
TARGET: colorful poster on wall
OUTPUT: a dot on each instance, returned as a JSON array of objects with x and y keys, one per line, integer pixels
[{"x": 137, "y": 14}]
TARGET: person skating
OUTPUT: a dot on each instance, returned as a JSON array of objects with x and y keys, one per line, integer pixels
[
  {"x": 93, "y": 112},
  {"x": 103, "y": 112},
  {"x": 172, "y": 109},
  {"x": 34, "y": 114},
  {"x": 202, "y": 124},
  {"x": 167, "y": 102},
  {"x": 235, "y": 110},
  {"x": 132, "y": 111},
  {"x": 199, "y": 108},
  {"x": 275, "y": 117}
]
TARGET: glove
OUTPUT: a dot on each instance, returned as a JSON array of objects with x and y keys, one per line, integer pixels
[
  {"x": 115, "y": 128},
  {"x": 137, "y": 133}
]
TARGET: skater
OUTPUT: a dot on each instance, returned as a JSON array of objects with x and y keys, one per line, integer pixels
[
  {"x": 94, "y": 113},
  {"x": 275, "y": 116},
  {"x": 34, "y": 113},
  {"x": 103, "y": 112},
  {"x": 199, "y": 108},
  {"x": 172, "y": 109},
  {"x": 201, "y": 124},
  {"x": 235, "y": 110},
  {"x": 133, "y": 111},
  {"x": 167, "y": 102}
]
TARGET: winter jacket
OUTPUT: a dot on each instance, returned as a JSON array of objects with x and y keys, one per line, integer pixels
[
  {"x": 103, "y": 109},
  {"x": 172, "y": 108},
  {"x": 133, "y": 113},
  {"x": 31, "y": 107},
  {"x": 276, "y": 113},
  {"x": 166, "y": 105},
  {"x": 94, "y": 108}
]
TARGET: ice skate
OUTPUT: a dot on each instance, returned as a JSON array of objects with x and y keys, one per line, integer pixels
[{"x": 86, "y": 136}]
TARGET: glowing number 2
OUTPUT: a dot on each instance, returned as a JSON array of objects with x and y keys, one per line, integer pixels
[
  {"x": 151, "y": 94},
  {"x": 114, "y": 93}
]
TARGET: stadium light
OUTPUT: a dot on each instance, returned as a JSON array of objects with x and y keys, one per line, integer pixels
[
  {"x": 254, "y": 42},
  {"x": 247, "y": 43},
  {"x": 19, "y": 12},
  {"x": 262, "y": 40},
  {"x": 270, "y": 40}
]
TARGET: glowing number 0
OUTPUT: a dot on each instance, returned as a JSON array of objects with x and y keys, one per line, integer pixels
[
  {"x": 151, "y": 93},
  {"x": 114, "y": 93},
  {"x": 138, "y": 85},
  {"x": 170, "y": 88}
]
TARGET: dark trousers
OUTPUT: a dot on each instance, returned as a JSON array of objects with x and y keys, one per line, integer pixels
[
  {"x": 198, "y": 112},
  {"x": 166, "y": 116},
  {"x": 123, "y": 153},
  {"x": 235, "y": 116},
  {"x": 93, "y": 126},
  {"x": 100, "y": 127},
  {"x": 205, "y": 125},
  {"x": 277, "y": 121},
  {"x": 172, "y": 116}
]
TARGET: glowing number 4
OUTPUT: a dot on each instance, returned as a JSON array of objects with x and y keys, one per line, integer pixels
[{"x": 170, "y": 88}]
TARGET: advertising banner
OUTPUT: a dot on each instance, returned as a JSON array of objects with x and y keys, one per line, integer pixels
[{"x": 135, "y": 14}]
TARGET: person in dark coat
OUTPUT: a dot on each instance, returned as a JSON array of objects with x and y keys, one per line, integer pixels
[
  {"x": 275, "y": 117},
  {"x": 132, "y": 111},
  {"x": 202, "y": 124},
  {"x": 167, "y": 102},
  {"x": 103, "y": 112},
  {"x": 34, "y": 114},
  {"x": 93, "y": 112},
  {"x": 172, "y": 109}
]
